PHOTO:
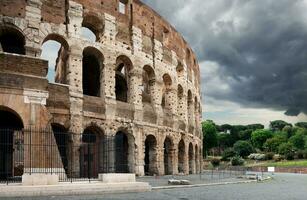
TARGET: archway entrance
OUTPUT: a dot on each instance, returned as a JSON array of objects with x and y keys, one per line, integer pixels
[
  {"x": 12, "y": 40},
  {"x": 10, "y": 126},
  {"x": 150, "y": 155},
  {"x": 122, "y": 153},
  {"x": 181, "y": 154},
  {"x": 168, "y": 157},
  {"x": 191, "y": 159},
  {"x": 90, "y": 152},
  {"x": 61, "y": 138}
]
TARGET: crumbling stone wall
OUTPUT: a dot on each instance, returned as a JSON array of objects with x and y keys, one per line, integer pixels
[{"x": 140, "y": 36}]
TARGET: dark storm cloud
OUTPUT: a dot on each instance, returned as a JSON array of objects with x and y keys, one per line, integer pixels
[{"x": 260, "y": 47}]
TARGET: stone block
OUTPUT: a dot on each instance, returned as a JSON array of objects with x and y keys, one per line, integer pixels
[
  {"x": 39, "y": 179},
  {"x": 117, "y": 178}
]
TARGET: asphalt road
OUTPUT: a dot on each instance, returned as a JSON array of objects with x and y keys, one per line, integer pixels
[{"x": 282, "y": 187}]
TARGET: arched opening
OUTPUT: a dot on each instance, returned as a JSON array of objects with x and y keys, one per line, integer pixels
[
  {"x": 197, "y": 159},
  {"x": 122, "y": 78},
  {"x": 166, "y": 92},
  {"x": 190, "y": 106},
  {"x": 11, "y": 126},
  {"x": 180, "y": 69},
  {"x": 180, "y": 105},
  {"x": 148, "y": 84},
  {"x": 151, "y": 156},
  {"x": 181, "y": 156},
  {"x": 55, "y": 50},
  {"x": 62, "y": 139},
  {"x": 191, "y": 159},
  {"x": 124, "y": 153},
  {"x": 90, "y": 152},
  {"x": 92, "y": 28},
  {"x": 12, "y": 40},
  {"x": 92, "y": 65},
  {"x": 168, "y": 156}
]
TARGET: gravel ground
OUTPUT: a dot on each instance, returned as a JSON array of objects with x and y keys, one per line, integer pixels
[{"x": 282, "y": 187}]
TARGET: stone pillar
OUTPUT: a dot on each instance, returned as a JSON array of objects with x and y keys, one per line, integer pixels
[
  {"x": 75, "y": 15},
  {"x": 135, "y": 92},
  {"x": 33, "y": 16},
  {"x": 186, "y": 159},
  {"x": 175, "y": 160},
  {"x": 137, "y": 40}
]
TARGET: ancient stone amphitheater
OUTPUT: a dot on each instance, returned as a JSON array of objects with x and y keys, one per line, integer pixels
[{"x": 138, "y": 82}]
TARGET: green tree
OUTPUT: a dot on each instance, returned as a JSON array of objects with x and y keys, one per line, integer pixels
[
  {"x": 272, "y": 144},
  {"x": 259, "y": 137},
  {"x": 210, "y": 136},
  {"x": 255, "y": 126},
  {"x": 285, "y": 148},
  {"x": 278, "y": 125},
  {"x": 301, "y": 125},
  {"x": 298, "y": 141},
  {"x": 243, "y": 148}
]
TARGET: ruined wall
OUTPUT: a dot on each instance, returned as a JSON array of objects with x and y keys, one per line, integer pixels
[{"x": 140, "y": 37}]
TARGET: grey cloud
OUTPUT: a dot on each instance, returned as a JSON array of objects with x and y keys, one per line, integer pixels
[{"x": 260, "y": 47}]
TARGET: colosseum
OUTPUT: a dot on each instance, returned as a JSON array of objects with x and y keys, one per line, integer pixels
[{"x": 128, "y": 101}]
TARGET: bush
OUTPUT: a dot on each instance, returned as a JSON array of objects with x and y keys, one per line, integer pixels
[
  {"x": 285, "y": 148},
  {"x": 215, "y": 162},
  {"x": 228, "y": 154},
  {"x": 277, "y": 158},
  {"x": 305, "y": 154},
  {"x": 257, "y": 156},
  {"x": 243, "y": 148},
  {"x": 237, "y": 161},
  {"x": 300, "y": 154},
  {"x": 289, "y": 156},
  {"x": 269, "y": 156}
]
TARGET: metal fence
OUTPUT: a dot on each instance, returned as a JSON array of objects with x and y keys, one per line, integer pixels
[{"x": 73, "y": 157}]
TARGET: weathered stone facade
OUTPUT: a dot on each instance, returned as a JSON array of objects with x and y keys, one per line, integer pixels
[{"x": 139, "y": 78}]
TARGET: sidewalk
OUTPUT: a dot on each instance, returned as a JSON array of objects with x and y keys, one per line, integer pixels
[{"x": 77, "y": 188}]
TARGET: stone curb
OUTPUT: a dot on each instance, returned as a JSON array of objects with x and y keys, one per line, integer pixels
[{"x": 208, "y": 184}]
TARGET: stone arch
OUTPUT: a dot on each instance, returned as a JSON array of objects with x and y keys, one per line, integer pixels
[
  {"x": 168, "y": 159},
  {"x": 191, "y": 159},
  {"x": 180, "y": 104},
  {"x": 166, "y": 92},
  {"x": 122, "y": 78},
  {"x": 90, "y": 152},
  {"x": 124, "y": 151},
  {"x": 148, "y": 82},
  {"x": 180, "y": 69},
  {"x": 59, "y": 73},
  {"x": 181, "y": 156},
  {"x": 92, "y": 66},
  {"x": 150, "y": 158},
  {"x": 197, "y": 159},
  {"x": 12, "y": 39},
  {"x": 62, "y": 138},
  {"x": 190, "y": 107},
  {"x": 95, "y": 24},
  {"x": 10, "y": 123}
]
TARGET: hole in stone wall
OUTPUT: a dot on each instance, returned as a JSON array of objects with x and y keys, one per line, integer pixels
[
  {"x": 150, "y": 155},
  {"x": 11, "y": 40},
  {"x": 181, "y": 154},
  {"x": 124, "y": 66},
  {"x": 168, "y": 157},
  {"x": 88, "y": 34},
  {"x": 92, "y": 64},
  {"x": 147, "y": 84},
  {"x": 122, "y": 6},
  {"x": 55, "y": 50},
  {"x": 191, "y": 158}
]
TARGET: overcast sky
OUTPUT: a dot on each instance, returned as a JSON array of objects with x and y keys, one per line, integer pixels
[{"x": 252, "y": 55}]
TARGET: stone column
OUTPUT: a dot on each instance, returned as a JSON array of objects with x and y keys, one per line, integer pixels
[{"x": 33, "y": 16}]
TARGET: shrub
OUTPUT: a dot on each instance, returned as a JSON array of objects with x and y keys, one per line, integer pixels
[
  {"x": 277, "y": 158},
  {"x": 300, "y": 154},
  {"x": 305, "y": 153},
  {"x": 237, "y": 161},
  {"x": 215, "y": 162},
  {"x": 257, "y": 156},
  {"x": 289, "y": 156},
  {"x": 285, "y": 148},
  {"x": 228, "y": 154},
  {"x": 269, "y": 156},
  {"x": 243, "y": 148}
]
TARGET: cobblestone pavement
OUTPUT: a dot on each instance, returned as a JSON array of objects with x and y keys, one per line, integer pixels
[{"x": 282, "y": 187}]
